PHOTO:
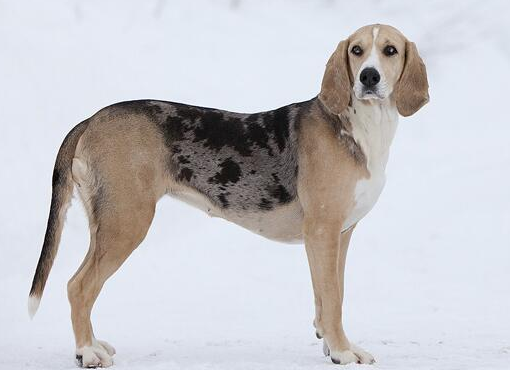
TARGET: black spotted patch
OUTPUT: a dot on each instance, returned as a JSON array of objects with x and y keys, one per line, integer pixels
[
  {"x": 265, "y": 204},
  {"x": 183, "y": 159},
  {"x": 230, "y": 172},
  {"x": 217, "y": 131},
  {"x": 185, "y": 174},
  {"x": 238, "y": 161},
  {"x": 281, "y": 194},
  {"x": 281, "y": 127},
  {"x": 223, "y": 200},
  {"x": 57, "y": 177}
]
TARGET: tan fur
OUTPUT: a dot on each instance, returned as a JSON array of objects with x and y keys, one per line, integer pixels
[
  {"x": 406, "y": 71},
  {"x": 336, "y": 83},
  {"x": 124, "y": 218},
  {"x": 118, "y": 168},
  {"x": 386, "y": 35},
  {"x": 411, "y": 91},
  {"x": 326, "y": 185}
]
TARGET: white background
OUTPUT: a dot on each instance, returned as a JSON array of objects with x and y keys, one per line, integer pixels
[{"x": 429, "y": 269}]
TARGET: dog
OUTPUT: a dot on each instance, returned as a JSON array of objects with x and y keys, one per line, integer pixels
[{"x": 306, "y": 172}]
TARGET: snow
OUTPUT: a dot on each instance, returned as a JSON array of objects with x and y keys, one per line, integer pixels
[{"x": 428, "y": 277}]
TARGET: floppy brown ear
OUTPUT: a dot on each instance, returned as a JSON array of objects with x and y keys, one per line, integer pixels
[
  {"x": 412, "y": 89},
  {"x": 336, "y": 84}
]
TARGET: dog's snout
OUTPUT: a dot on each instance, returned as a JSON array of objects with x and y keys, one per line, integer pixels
[{"x": 370, "y": 77}]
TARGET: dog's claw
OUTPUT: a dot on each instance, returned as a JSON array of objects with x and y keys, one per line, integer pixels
[{"x": 79, "y": 362}]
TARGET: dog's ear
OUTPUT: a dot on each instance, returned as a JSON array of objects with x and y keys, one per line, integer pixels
[
  {"x": 336, "y": 84},
  {"x": 412, "y": 89}
]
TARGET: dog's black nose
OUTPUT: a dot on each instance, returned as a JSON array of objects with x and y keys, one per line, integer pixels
[{"x": 369, "y": 77}]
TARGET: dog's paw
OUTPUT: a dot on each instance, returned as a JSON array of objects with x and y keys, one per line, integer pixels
[
  {"x": 364, "y": 356},
  {"x": 107, "y": 347},
  {"x": 99, "y": 354},
  {"x": 354, "y": 354}
]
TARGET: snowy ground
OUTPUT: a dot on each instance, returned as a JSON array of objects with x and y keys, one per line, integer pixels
[{"x": 428, "y": 275}]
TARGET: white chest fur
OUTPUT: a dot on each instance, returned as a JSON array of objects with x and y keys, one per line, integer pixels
[{"x": 373, "y": 128}]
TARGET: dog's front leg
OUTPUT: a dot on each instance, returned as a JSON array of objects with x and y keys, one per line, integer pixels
[{"x": 326, "y": 248}]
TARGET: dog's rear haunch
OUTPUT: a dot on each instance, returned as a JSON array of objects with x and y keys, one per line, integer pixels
[{"x": 307, "y": 172}]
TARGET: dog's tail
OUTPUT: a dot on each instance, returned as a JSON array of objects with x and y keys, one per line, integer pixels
[{"x": 62, "y": 192}]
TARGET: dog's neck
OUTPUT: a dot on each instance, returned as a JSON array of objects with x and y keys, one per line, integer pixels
[{"x": 373, "y": 126}]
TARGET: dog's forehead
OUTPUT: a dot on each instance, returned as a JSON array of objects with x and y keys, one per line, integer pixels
[
  {"x": 363, "y": 35},
  {"x": 384, "y": 32},
  {"x": 388, "y": 34}
]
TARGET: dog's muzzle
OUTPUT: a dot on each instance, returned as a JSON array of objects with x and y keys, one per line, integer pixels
[{"x": 369, "y": 78}]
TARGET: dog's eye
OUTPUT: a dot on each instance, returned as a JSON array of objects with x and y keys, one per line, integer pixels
[
  {"x": 356, "y": 50},
  {"x": 390, "y": 50}
]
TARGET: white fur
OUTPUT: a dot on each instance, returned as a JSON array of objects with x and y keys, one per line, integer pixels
[
  {"x": 382, "y": 90},
  {"x": 99, "y": 354},
  {"x": 374, "y": 126},
  {"x": 354, "y": 354},
  {"x": 33, "y": 305}
]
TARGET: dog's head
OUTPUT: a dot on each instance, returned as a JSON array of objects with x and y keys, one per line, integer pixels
[{"x": 375, "y": 62}]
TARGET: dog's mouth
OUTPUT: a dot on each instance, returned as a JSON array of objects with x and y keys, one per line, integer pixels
[{"x": 370, "y": 94}]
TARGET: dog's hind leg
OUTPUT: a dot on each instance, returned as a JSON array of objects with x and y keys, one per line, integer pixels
[{"x": 119, "y": 220}]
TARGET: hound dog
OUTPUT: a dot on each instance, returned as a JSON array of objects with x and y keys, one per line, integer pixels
[{"x": 308, "y": 171}]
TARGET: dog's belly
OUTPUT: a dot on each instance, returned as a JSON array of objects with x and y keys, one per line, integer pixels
[{"x": 283, "y": 223}]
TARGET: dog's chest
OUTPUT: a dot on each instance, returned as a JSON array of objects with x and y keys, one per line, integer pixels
[{"x": 373, "y": 129}]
